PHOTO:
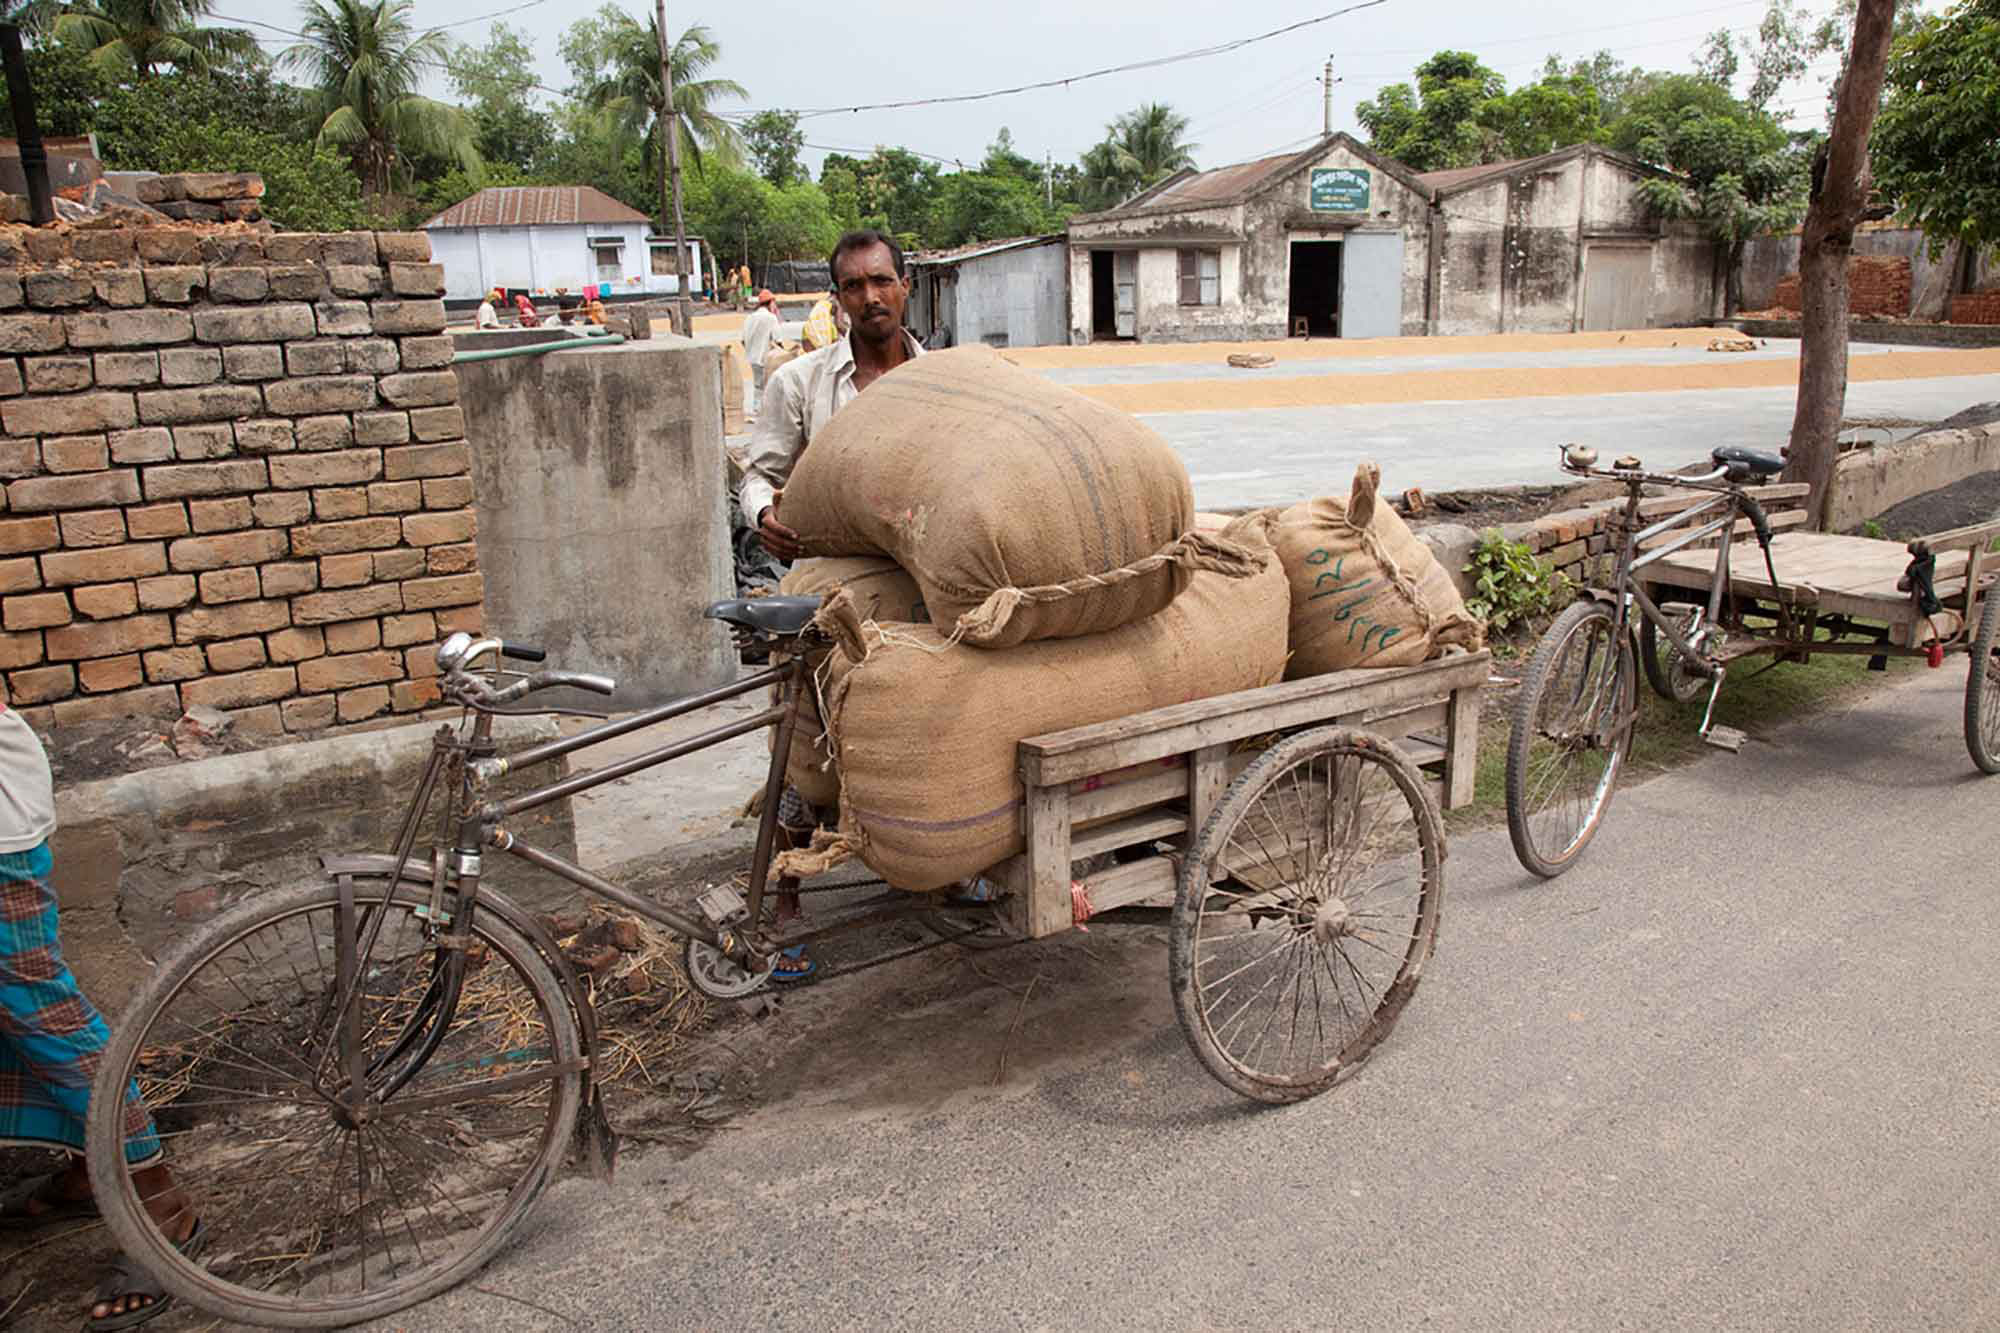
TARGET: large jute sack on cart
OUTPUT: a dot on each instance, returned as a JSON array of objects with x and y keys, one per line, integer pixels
[
  {"x": 880, "y": 591},
  {"x": 1025, "y": 510},
  {"x": 924, "y": 730},
  {"x": 1366, "y": 592}
]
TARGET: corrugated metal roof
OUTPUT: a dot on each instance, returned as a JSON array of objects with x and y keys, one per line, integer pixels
[
  {"x": 975, "y": 249},
  {"x": 1445, "y": 180},
  {"x": 1219, "y": 185},
  {"x": 535, "y": 206}
]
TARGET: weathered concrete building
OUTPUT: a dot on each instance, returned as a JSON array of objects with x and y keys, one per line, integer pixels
[
  {"x": 1336, "y": 241},
  {"x": 1011, "y": 293},
  {"x": 1564, "y": 242},
  {"x": 1332, "y": 240}
]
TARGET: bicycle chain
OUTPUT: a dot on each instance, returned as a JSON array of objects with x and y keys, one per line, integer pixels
[{"x": 830, "y": 973}]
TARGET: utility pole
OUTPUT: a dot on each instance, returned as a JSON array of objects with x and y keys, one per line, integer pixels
[
  {"x": 673, "y": 131},
  {"x": 1049, "y": 175},
  {"x": 1326, "y": 113},
  {"x": 27, "y": 133}
]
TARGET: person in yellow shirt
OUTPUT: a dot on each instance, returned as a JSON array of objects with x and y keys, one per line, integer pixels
[{"x": 826, "y": 325}]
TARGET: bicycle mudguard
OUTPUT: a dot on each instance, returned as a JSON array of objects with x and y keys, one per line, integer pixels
[{"x": 380, "y": 865}]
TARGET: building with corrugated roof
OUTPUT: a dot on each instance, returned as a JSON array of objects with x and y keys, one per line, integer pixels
[
  {"x": 1000, "y": 293},
  {"x": 549, "y": 238},
  {"x": 1338, "y": 241}
]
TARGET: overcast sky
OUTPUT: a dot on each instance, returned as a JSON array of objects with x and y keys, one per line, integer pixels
[{"x": 1243, "y": 104}]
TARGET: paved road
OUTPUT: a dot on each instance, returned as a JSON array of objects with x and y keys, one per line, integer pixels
[
  {"x": 1735, "y": 1071},
  {"x": 1280, "y": 455}
]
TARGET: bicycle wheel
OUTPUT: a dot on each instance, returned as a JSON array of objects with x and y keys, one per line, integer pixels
[
  {"x": 1306, "y": 909},
  {"x": 1982, "y": 682},
  {"x": 1667, "y": 671},
  {"x": 317, "y": 1217},
  {"x": 1572, "y": 726}
]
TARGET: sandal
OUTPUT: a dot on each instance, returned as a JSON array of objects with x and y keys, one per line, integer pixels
[
  {"x": 16, "y": 1216},
  {"x": 125, "y": 1279},
  {"x": 793, "y": 965}
]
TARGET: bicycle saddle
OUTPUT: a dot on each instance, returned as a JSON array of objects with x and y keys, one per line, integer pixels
[
  {"x": 1755, "y": 460},
  {"x": 782, "y": 616}
]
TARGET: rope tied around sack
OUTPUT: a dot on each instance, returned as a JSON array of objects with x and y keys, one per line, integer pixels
[{"x": 1196, "y": 551}]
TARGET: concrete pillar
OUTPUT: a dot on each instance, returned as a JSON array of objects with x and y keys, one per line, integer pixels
[{"x": 603, "y": 521}]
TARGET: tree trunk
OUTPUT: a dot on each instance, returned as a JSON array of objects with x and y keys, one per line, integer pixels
[
  {"x": 1840, "y": 192},
  {"x": 1732, "y": 281}
]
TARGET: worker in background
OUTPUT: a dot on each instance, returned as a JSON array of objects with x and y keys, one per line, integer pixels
[
  {"x": 803, "y": 396},
  {"x": 52, "y": 1040},
  {"x": 827, "y": 324},
  {"x": 489, "y": 310},
  {"x": 758, "y": 333},
  {"x": 743, "y": 284},
  {"x": 526, "y": 310}
]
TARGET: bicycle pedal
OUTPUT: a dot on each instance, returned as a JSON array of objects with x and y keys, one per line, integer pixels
[
  {"x": 1726, "y": 738},
  {"x": 722, "y": 905}
]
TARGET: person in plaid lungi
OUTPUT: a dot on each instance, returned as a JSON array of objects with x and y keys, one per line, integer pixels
[{"x": 52, "y": 1038}]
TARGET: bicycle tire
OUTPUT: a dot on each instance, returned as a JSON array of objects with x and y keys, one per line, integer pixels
[
  {"x": 1340, "y": 916},
  {"x": 265, "y": 1264},
  {"x": 1661, "y": 659},
  {"x": 1604, "y": 687},
  {"x": 1982, "y": 684}
]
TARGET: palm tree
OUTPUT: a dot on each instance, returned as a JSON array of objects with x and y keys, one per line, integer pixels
[
  {"x": 630, "y": 91},
  {"x": 364, "y": 63},
  {"x": 1140, "y": 148},
  {"x": 127, "y": 36}
]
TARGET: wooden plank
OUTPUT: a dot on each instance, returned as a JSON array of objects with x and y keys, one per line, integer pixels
[
  {"x": 1122, "y": 798},
  {"x": 1975, "y": 534},
  {"x": 1208, "y": 777},
  {"x": 1744, "y": 528},
  {"x": 1048, "y": 900},
  {"x": 1776, "y": 494},
  {"x": 1400, "y": 722},
  {"x": 1146, "y": 826},
  {"x": 1064, "y": 756},
  {"x": 1124, "y": 885},
  {"x": 1975, "y": 568},
  {"x": 1461, "y": 760},
  {"x": 1853, "y": 576}
]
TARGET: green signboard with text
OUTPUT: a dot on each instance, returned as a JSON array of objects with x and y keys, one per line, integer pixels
[{"x": 1340, "y": 190}]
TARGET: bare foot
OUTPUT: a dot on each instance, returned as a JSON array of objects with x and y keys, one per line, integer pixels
[{"x": 173, "y": 1212}]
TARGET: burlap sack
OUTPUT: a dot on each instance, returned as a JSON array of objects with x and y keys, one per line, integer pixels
[
  {"x": 778, "y": 356},
  {"x": 881, "y": 591},
  {"x": 925, "y": 730},
  {"x": 1365, "y": 591},
  {"x": 1025, "y": 510},
  {"x": 735, "y": 378}
]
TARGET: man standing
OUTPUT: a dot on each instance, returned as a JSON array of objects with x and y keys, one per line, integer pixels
[
  {"x": 826, "y": 325},
  {"x": 868, "y": 277},
  {"x": 758, "y": 331},
  {"x": 51, "y": 1040}
]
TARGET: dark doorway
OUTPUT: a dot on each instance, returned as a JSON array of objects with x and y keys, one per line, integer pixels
[
  {"x": 1103, "y": 296},
  {"x": 1315, "y": 292}
]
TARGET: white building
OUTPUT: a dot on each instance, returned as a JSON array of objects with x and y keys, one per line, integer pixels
[{"x": 538, "y": 238}]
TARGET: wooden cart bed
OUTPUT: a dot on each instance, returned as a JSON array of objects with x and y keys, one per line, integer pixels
[{"x": 1155, "y": 777}]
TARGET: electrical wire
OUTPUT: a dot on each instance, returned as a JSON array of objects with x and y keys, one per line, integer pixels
[{"x": 1157, "y": 62}]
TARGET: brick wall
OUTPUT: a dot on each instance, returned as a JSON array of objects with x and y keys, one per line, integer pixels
[
  {"x": 1976, "y": 308},
  {"x": 234, "y": 473},
  {"x": 1877, "y": 285}
]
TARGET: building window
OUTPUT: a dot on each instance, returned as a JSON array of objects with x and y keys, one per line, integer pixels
[
  {"x": 1201, "y": 277},
  {"x": 607, "y": 258},
  {"x": 665, "y": 263}
]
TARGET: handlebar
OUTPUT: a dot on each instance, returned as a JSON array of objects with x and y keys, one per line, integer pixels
[
  {"x": 1582, "y": 462},
  {"x": 460, "y": 653}
]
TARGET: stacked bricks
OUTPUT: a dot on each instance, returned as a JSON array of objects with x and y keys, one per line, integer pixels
[
  {"x": 1878, "y": 287},
  {"x": 1574, "y": 542},
  {"x": 1976, "y": 308},
  {"x": 235, "y": 475}
]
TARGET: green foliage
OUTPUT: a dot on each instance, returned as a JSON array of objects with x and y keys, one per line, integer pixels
[
  {"x": 1509, "y": 584},
  {"x": 1933, "y": 146},
  {"x": 1560, "y": 110},
  {"x": 774, "y": 140},
  {"x": 67, "y": 86},
  {"x": 621, "y": 59},
  {"x": 894, "y": 189},
  {"x": 365, "y": 63},
  {"x": 1139, "y": 149},
  {"x": 975, "y": 206},
  {"x": 781, "y": 222},
  {"x": 139, "y": 37},
  {"x": 498, "y": 85},
  {"x": 1870, "y": 528},
  {"x": 1435, "y": 126}
]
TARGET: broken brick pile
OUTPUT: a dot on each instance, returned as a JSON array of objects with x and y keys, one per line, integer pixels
[{"x": 235, "y": 475}]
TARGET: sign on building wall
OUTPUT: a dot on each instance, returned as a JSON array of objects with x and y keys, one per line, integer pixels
[{"x": 1340, "y": 190}]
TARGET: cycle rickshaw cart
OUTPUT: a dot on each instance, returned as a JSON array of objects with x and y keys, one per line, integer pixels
[
  {"x": 1681, "y": 609},
  {"x": 365, "y": 1082}
]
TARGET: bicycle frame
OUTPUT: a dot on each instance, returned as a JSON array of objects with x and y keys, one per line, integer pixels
[{"x": 1629, "y": 590}]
